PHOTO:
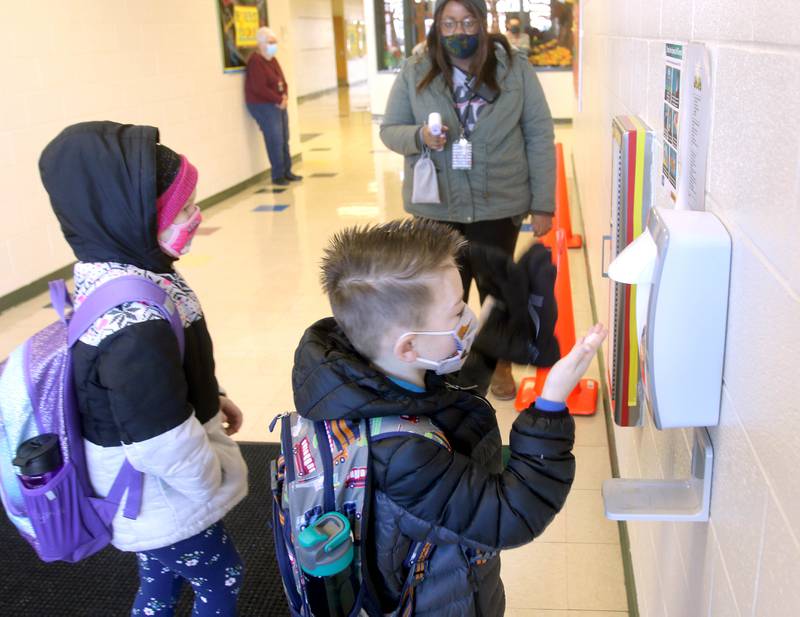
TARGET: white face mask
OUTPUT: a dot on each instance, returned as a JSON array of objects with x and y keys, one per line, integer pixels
[
  {"x": 269, "y": 50},
  {"x": 463, "y": 334}
]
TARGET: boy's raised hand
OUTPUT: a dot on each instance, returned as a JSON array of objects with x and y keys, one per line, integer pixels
[{"x": 567, "y": 372}]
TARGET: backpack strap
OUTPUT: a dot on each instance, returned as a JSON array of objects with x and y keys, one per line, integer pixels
[
  {"x": 107, "y": 296},
  {"x": 119, "y": 291},
  {"x": 420, "y": 553},
  {"x": 401, "y": 426},
  {"x": 59, "y": 298},
  {"x": 417, "y": 564},
  {"x": 131, "y": 480}
]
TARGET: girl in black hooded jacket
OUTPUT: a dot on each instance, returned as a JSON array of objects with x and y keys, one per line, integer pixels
[{"x": 126, "y": 207}]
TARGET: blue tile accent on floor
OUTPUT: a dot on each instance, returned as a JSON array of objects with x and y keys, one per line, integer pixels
[{"x": 278, "y": 208}]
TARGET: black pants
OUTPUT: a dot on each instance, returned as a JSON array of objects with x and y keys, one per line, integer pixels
[{"x": 501, "y": 233}]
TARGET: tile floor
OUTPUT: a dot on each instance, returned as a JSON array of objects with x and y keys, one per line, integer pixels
[{"x": 257, "y": 276}]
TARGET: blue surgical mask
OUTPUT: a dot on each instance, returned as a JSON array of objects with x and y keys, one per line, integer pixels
[
  {"x": 464, "y": 334},
  {"x": 271, "y": 49}
]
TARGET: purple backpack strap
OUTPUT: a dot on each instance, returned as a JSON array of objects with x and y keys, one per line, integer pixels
[
  {"x": 119, "y": 291},
  {"x": 106, "y": 297},
  {"x": 131, "y": 480},
  {"x": 59, "y": 298}
]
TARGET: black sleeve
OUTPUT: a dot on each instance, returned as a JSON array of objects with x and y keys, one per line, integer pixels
[
  {"x": 495, "y": 511},
  {"x": 140, "y": 367}
]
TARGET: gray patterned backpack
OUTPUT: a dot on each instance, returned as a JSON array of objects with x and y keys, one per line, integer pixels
[{"x": 323, "y": 469}]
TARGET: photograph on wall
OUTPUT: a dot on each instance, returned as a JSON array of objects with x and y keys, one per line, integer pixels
[
  {"x": 676, "y": 88},
  {"x": 673, "y": 166},
  {"x": 668, "y": 85},
  {"x": 239, "y": 20},
  {"x": 674, "y": 129}
]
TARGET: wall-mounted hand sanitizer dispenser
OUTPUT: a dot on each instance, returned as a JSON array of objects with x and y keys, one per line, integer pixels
[{"x": 681, "y": 267}]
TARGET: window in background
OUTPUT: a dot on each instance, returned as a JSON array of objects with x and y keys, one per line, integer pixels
[
  {"x": 401, "y": 26},
  {"x": 548, "y": 24}
]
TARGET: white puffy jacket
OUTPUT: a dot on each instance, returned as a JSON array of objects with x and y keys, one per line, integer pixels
[{"x": 194, "y": 474}]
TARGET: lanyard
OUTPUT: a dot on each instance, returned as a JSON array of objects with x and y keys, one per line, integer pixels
[{"x": 483, "y": 93}]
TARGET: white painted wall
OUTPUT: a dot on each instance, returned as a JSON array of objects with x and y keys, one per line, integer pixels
[
  {"x": 144, "y": 62},
  {"x": 313, "y": 45},
  {"x": 559, "y": 91},
  {"x": 746, "y": 561}
]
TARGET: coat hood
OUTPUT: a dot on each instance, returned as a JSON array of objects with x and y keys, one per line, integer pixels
[
  {"x": 101, "y": 178},
  {"x": 331, "y": 380}
]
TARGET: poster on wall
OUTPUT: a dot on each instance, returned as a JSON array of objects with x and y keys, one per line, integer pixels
[
  {"x": 239, "y": 20},
  {"x": 687, "y": 115},
  {"x": 356, "y": 40}
]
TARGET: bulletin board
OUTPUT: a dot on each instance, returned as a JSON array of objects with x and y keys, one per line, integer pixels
[{"x": 238, "y": 21}]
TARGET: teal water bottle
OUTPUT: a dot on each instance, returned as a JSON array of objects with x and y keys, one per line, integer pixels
[{"x": 325, "y": 554}]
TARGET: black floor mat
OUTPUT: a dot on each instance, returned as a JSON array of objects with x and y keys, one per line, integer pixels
[{"x": 104, "y": 585}]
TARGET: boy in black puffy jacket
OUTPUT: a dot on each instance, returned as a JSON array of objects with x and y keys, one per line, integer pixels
[{"x": 400, "y": 332}]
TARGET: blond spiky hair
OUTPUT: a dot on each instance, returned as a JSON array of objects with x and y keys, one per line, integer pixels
[{"x": 379, "y": 275}]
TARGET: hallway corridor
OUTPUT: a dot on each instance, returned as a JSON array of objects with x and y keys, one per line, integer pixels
[{"x": 255, "y": 266}]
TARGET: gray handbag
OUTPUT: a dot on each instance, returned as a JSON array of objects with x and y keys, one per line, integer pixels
[{"x": 426, "y": 185}]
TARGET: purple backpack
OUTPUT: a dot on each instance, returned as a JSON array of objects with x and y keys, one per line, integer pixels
[{"x": 62, "y": 519}]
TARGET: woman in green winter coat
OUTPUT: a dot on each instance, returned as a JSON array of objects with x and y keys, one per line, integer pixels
[{"x": 496, "y": 121}]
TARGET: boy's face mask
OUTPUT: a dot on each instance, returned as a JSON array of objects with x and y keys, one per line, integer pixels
[
  {"x": 463, "y": 334},
  {"x": 176, "y": 240}
]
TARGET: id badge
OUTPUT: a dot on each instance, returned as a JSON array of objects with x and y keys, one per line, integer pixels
[{"x": 462, "y": 154}]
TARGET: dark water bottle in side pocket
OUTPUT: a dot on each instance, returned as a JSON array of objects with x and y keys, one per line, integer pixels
[{"x": 38, "y": 460}]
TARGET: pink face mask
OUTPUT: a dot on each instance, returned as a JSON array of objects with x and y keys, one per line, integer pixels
[{"x": 176, "y": 240}]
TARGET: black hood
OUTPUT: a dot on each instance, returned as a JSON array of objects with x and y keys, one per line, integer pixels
[
  {"x": 101, "y": 178},
  {"x": 331, "y": 380}
]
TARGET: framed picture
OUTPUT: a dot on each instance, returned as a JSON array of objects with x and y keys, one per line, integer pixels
[{"x": 238, "y": 21}]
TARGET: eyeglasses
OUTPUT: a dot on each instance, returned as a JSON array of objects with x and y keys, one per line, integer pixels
[{"x": 469, "y": 25}]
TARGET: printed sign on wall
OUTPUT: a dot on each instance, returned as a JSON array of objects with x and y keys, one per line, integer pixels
[
  {"x": 239, "y": 20},
  {"x": 687, "y": 117},
  {"x": 246, "y": 23}
]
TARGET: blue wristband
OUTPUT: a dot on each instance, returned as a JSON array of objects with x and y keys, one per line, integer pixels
[{"x": 542, "y": 404}]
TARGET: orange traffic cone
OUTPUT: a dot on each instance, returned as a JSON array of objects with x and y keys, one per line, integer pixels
[
  {"x": 562, "y": 218},
  {"x": 583, "y": 399}
]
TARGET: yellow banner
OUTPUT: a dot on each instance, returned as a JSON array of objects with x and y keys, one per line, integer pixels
[{"x": 246, "y": 23}]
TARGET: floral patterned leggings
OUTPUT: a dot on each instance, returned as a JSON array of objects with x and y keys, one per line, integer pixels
[{"x": 209, "y": 561}]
